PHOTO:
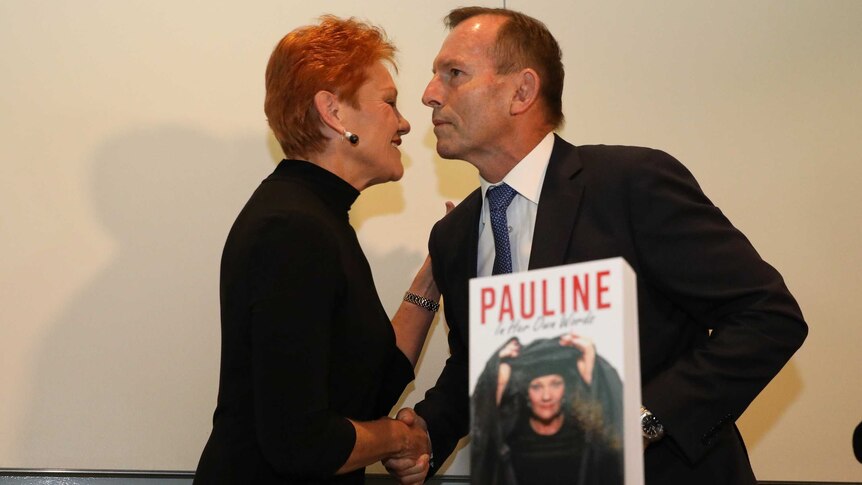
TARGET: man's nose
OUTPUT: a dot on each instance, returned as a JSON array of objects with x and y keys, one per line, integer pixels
[{"x": 431, "y": 96}]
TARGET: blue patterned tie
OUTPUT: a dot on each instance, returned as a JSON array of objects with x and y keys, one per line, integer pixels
[{"x": 499, "y": 198}]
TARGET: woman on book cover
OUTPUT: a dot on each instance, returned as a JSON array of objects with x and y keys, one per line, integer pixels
[
  {"x": 310, "y": 363},
  {"x": 549, "y": 412}
]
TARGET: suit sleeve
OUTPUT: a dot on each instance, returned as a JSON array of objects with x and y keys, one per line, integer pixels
[
  {"x": 296, "y": 281},
  {"x": 689, "y": 252},
  {"x": 446, "y": 407}
]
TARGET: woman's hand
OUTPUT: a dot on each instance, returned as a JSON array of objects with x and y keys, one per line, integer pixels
[
  {"x": 415, "y": 440},
  {"x": 449, "y": 206},
  {"x": 411, "y": 465},
  {"x": 588, "y": 350},
  {"x": 402, "y": 444},
  {"x": 511, "y": 349}
]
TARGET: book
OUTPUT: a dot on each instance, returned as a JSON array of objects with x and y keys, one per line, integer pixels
[{"x": 555, "y": 376}]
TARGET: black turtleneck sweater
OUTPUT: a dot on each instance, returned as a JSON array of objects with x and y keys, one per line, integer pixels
[{"x": 306, "y": 343}]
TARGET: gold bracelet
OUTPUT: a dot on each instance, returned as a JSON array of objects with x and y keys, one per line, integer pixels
[{"x": 421, "y": 301}]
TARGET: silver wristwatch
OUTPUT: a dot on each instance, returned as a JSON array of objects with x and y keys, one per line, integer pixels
[{"x": 651, "y": 428}]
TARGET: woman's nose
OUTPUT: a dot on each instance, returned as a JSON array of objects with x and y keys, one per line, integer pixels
[{"x": 403, "y": 125}]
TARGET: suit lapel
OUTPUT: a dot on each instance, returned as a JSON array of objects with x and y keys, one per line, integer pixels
[
  {"x": 462, "y": 228},
  {"x": 558, "y": 207},
  {"x": 471, "y": 215},
  {"x": 460, "y": 231}
]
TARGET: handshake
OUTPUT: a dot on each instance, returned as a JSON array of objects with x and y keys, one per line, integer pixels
[{"x": 411, "y": 464}]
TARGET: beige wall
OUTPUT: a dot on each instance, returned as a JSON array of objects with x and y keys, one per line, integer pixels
[{"x": 132, "y": 132}]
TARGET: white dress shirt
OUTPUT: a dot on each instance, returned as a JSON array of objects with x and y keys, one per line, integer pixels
[{"x": 527, "y": 178}]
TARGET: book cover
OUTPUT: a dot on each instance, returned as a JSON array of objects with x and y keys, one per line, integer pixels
[{"x": 555, "y": 377}]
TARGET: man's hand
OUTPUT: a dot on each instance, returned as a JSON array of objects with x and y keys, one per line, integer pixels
[{"x": 411, "y": 467}]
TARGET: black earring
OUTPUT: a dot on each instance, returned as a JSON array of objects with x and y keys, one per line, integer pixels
[{"x": 351, "y": 137}]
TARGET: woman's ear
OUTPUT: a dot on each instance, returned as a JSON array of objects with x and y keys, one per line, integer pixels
[
  {"x": 526, "y": 92},
  {"x": 327, "y": 106}
]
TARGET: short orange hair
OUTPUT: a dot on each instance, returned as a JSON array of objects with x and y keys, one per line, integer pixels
[{"x": 332, "y": 56}]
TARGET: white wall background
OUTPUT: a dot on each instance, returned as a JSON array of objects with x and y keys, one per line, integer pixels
[{"x": 132, "y": 132}]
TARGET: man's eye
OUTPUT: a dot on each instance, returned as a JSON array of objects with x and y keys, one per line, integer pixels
[{"x": 455, "y": 72}]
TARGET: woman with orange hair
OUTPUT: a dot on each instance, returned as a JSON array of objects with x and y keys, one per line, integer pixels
[{"x": 310, "y": 363}]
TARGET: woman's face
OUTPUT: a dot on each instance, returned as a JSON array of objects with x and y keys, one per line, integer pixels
[
  {"x": 379, "y": 125},
  {"x": 546, "y": 396}
]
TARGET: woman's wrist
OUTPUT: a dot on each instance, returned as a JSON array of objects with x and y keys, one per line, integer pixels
[
  {"x": 423, "y": 284},
  {"x": 423, "y": 291},
  {"x": 421, "y": 301},
  {"x": 400, "y": 438},
  {"x": 395, "y": 437}
]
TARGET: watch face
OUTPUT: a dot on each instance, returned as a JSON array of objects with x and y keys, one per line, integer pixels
[{"x": 651, "y": 427}]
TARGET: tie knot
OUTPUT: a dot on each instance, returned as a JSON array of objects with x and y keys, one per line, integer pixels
[{"x": 500, "y": 197}]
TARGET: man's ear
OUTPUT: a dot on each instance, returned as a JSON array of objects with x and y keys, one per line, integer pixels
[
  {"x": 327, "y": 106},
  {"x": 527, "y": 84}
]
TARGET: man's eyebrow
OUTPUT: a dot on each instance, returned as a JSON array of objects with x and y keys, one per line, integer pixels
[{"x": 443, "y": 65}]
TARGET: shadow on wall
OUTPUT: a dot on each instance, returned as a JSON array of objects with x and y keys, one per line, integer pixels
[
  {"x": 128, "y": 372},
  {"x": 376, "y": 201},
  {"x": 455, "y": 178},
  {"x": 127, "y": 376}
]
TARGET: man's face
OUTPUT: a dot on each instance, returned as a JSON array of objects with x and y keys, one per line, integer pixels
[{"x": 470, "y": 100}]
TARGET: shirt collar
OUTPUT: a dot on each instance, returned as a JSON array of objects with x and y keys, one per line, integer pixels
[{"x": 528, "y": 175}]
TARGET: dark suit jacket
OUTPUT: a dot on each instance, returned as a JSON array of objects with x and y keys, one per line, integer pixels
[{"x": 717, "y": 323}]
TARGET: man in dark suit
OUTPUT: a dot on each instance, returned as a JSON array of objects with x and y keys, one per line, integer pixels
[{"x": 717, "y": 323}]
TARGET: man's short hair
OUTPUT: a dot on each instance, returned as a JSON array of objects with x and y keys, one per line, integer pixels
[{"x": 524, "y": 42}]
